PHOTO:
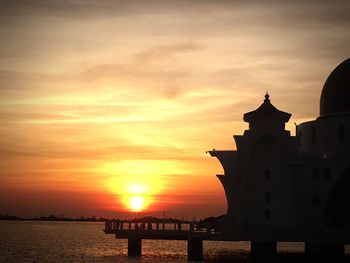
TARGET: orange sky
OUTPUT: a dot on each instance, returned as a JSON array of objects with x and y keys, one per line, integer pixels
[{"x": 101, "y": 101}]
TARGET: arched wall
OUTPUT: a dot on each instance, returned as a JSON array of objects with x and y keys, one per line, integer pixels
[{"x": 337, "y": 208}]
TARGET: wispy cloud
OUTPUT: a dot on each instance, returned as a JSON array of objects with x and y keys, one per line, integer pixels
[{"x": 89, "y": 84}]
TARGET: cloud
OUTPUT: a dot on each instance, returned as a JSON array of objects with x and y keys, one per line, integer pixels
[{"x": 89, "y": 83}]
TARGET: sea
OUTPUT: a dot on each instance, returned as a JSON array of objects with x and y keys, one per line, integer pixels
[{"x": 38, "y": 241}]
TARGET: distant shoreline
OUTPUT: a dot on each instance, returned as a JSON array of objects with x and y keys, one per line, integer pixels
[
  {"x": 54, "y": 218},
  {"x": 51, "y": 218}
]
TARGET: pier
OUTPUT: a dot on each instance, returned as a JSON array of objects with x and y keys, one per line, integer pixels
[
  {"x": 136, "y": 231},
  {"x": 328, "y": 244}
]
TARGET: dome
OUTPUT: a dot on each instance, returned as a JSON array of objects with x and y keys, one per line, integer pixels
[{"x": 335, "y": 96}]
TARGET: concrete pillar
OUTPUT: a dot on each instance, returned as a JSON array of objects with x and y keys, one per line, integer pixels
[
  {"x": 326, "y": 252},
  {"x": 333, "y": 252},
  {"x": 263, "y": 250},
  {"x": 134, "y": 246},
  {"x": 194, "y": 248},
  {"x": 312, "y": 250}
]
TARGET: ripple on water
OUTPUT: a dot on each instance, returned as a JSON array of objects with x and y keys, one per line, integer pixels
[{"x": 30, "y": 241}]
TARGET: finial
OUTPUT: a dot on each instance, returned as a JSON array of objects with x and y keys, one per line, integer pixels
[{"x": 267, "y": 96}]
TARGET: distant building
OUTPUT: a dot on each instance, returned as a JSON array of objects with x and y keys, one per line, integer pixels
[{"x": 274, "y": 179}]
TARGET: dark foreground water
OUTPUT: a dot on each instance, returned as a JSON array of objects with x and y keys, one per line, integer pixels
[{"x": 23, "y": 241}]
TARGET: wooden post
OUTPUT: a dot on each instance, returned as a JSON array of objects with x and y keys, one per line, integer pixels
[
  {"x": 134, "y": 246},
  {"x": 194, "y": 248}
]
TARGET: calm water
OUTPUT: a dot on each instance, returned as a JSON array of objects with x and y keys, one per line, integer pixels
[{"x": 86, "y": 242}]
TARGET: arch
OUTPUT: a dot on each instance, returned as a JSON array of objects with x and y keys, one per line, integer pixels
[
  {"x": 267, "y": 214},
  {"x": 313, "y": 135},
  {"x": 315, "y": 173},
  {"x": 300, "y": 137},
  {"x": 337, "y": 209},
  {"x": 341, "y": 134},
  {"x": 315, "y": 201},
  {"x": 327, "y": 175},
  {"x": 267, "y": 197}
]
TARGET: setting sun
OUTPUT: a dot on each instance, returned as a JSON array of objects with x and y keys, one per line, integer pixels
[
  {"x": 137, "y": 183},
  {"x": 136, "y": 203}
]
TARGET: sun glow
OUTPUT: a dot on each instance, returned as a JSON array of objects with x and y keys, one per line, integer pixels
[
  {"x": 136, "y": 203},
  {"x": 138, "y": 182}
]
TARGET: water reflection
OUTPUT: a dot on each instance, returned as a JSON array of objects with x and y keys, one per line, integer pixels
[{"x": 28, "y": 241}]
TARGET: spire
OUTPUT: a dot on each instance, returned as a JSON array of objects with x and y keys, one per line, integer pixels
[
  {"x": 266, "y": 111},
  {"x": 267, "y": 96}
]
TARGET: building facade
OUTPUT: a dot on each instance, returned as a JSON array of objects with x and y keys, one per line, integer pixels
[{"x": 274, "y": 179}]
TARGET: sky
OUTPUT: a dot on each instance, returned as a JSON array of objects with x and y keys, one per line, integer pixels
[{"x": 107, "y": 108}]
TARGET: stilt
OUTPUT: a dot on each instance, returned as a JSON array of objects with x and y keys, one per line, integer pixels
[
  {"x": 333, "y": 252},
  {"x": 194, "y": 248},
  {"x": 134, "y": 246},
  {"x": 263, "y": 250},
  {"x": 326, "y": 252},
  {"x": 313, "y": 250}
]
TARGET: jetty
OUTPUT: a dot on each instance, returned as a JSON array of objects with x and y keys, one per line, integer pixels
[
  {"x": 329, "y": 244},
  {"x": 134, "y": 232}
]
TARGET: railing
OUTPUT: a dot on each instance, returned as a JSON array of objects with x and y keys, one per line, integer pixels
[
  {"x": 112, "y": 226},
  {"x": 211, "y": 231}
]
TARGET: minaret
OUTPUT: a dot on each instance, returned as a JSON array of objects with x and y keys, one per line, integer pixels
[
  {"x": 256, "y": 179},
  {"x": 266, "y": 118}
]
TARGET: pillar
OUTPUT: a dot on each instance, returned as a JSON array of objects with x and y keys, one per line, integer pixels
[
  {"x": 312, "y": 250},
  {"x": 134, "y": 246},
  {"x": 194, "y": 248},
  {"x": 326, "y": 252},
  {"x": 263, "y": 250},
  {"x": 333, "y": 252}
]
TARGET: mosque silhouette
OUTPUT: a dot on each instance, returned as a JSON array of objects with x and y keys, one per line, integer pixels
[
  {"x": 279, "y": 188},
  {"x": 293, "y": 185}
]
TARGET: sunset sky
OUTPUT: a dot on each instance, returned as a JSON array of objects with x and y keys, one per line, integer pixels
[{"x": 108, "y": 107}]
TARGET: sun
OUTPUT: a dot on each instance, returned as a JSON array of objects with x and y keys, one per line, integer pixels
[
  {"x": 137, "y": 183},
  {"x": 136, "y": 203}
]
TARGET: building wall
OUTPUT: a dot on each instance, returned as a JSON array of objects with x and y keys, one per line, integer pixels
[
  {"x": 277, "y": 180},
  {"x": 324, "y": 154},
  {"x": 268, "y": 191},
  {"x": 321, "y": 138}
]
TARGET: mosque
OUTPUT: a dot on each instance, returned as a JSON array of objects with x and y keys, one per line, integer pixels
[
  {"x": 275, "y": 180},
  {"x": 279, "y": 188}
]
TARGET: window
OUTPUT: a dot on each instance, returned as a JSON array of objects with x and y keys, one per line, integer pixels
[
  {"x": 267, "y": 197},
  {"x": 313, "y": 139},
  {"x": 316, "y": 174},
  {"x": 327, "y": 174},
  {"x": 341, "y": 134},
  {"x": 267, "y": 173},
  {"x": 267, "y": 214},
  {"x": 315, "y": 201}
]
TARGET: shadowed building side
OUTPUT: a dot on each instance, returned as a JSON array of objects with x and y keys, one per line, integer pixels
[
  {"x": 257, "y": 180},
  {"x": 278, "y": 187},
  {"x": 275, "y": 182}
]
